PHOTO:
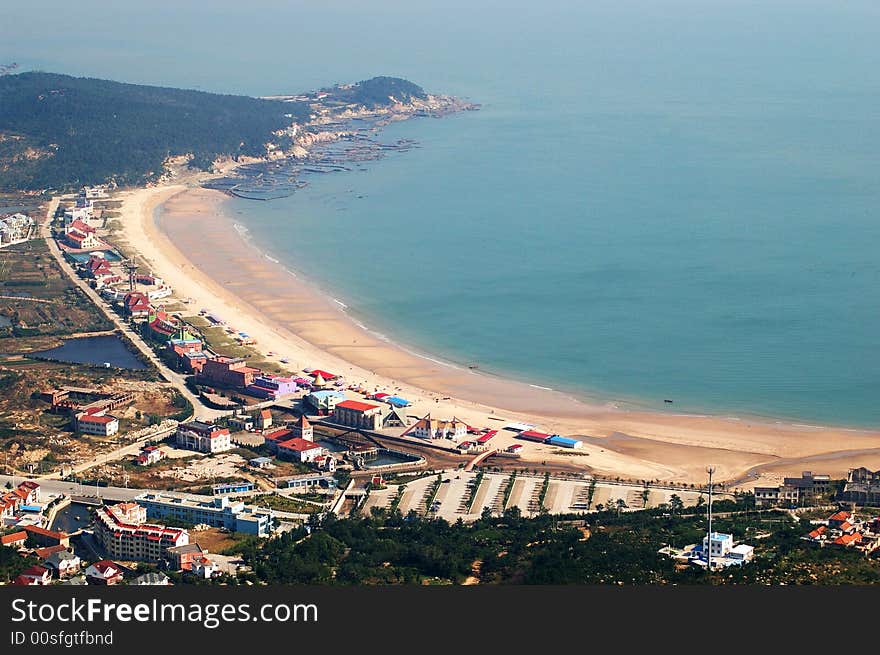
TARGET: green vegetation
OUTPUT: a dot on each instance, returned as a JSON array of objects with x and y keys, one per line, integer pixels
[
  {"x": 387, "y": 548},
  {"x": 12, "y": 564},
  {"x": 432, "y": 491},
  {"x": 377, "y": 92},
  {"x": 87, "y": 131},
  {"x": 61, "y": 132},
  {"x": 543, "y": 493},
  {"x": 508, "y": 489},
  {"x": 284, "y": 504}
]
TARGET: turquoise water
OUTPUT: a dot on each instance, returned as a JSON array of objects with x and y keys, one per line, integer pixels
[{"x": 658, "y": 200}]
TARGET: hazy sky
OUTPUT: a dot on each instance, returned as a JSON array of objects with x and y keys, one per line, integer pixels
[{"x": 292, "y": 46}]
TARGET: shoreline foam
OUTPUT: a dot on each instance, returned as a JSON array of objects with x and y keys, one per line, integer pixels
[{"x": 314, "y": 331}]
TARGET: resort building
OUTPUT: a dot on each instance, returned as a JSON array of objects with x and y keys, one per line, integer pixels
[
  {"x": 220, "y": 512},
  {"x": 241, "y": 422},
  {"x": 36, "y": 575},
  {"x": 96, "y": 267},
  {"x": 203, "y": 437},
  {"x": 153, "y": 579},
  {"x": 431, "y": 428},
  {"x": 862, "y": 487},
  {"x": 300, "y": 450},
  {"x": 136, "y": 305},
  {"x": 124, "y": 533},
  {"x": 324, "y": 402},
  {"x": 272, "y": 386},
  {"x": 302, "y": 429},
  {"x": 97, "y": 422},
  {"x": 161, "y": 325},
  {"x": 805, "y": 490},
  {"x": 14, "y": 540},
  {"x": 275, "y": 436},
  {"x": 564, "y": 442},
  {"x": 228, "y": 372},
  {"x": 355, "y": 414},
  {"x": 308, "y": 481}
]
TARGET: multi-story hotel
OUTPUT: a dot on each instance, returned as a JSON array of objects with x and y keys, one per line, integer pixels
[
  {"x": 124, "y": 533},
  {"x": 220, "y": 512}
]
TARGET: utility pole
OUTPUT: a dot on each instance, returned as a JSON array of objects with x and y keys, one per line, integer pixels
[{"x": 710, "y": 471}]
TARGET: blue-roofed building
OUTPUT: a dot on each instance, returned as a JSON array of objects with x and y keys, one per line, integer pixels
[
  {"x": 564, "y": 442},
  {"x": 324, "y": 402}
]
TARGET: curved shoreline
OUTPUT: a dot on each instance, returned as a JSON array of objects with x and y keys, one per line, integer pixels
[{"x": 286, "y": 314}]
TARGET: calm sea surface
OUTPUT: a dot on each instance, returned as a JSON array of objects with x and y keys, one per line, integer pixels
[{"x": 658, "y": 199}]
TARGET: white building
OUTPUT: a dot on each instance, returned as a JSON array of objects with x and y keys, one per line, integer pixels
[
  {"x": 719, "y": 544},
  {"x": 102, "y": 425},
  {"x": 15, "y": 228},
  {"x": 124, "y": 533},
  {"x": 432, "y": 428},
  {"x": 203, "y": 437},
  {"x": 300, "y": 450},
  {"x": 741, "y": 554}
]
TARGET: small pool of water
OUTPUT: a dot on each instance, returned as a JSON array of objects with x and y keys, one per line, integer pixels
[
  {"x": 94, "y": 350},
  {"x": 72, "y": 518},
  {"x": 387, "y": 457}
]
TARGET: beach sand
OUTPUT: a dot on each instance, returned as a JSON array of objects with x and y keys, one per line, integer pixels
[{"x": 198, "y": 251}]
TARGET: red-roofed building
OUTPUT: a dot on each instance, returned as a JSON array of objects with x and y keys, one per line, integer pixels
[
  {"x": 124, "y": 533},
  {"x": 300, "y": 450},
  {"x": 104, "y": 572},
  {"x": 355, "y": 414},
  {"x": 203, "y": 437},
  {"x": 276, "y": 436},
  {"x": 81, "y": 226},
  {"x": 324, "y": 374},
  {"x": 44, "y": 537},
  {"x": 48, "y": 551},
  {"x": 848, "y": 539},
  {"x": 514, "y": 448},
  {"x": 13, "y": 540},
  {"x": 101, "y": 424},
  {"x": 533, "y": 435},
  {"x": 97, "y": 267},
  {"x": 37, "y": 575},
  {"x": 228, "y": 372},
  {"x": 82, "y": 240},
  {"x": 838, "y": 519},
  {"x": 136, "y": 304}
]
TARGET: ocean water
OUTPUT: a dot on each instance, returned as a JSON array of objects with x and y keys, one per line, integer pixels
[{"x": 658, "y": 200}]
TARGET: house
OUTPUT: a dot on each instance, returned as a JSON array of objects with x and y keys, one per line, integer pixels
[
  {"x": 836, "y": 520},
  {"x": 302, "y": 429},
  {"x": 203, "y": 437},
  {"x": 180, "y": 558},
  {"x": 203, "y": 567},
  {"x": 514, "y": 448},
  {"x": 741, "y": 554},
  {"x": 104, "y": 572},
  {"x": 161, "y": 326},
  {"x": 431, "y": 428},
  {"x": 260, "y": 462},
  {"x": 241, "y": 422},
  {"x": 47, "y": 551},
  {"x": 37, "y": 575},
  {"x": 136, "y": 305},
  {"x": 31, "y": 490},
  {"x": 81, "y": 235},
  {"x": 14, "y": 540},
  {"x": 848, "y": 540},
  {"x": 300, "y": 450},
  {"x": 63, "y": 563},
  {"x": 150, "y": 455},
  {"x": 97, "y": 267},
  {"x": 355, "y": 414},
  {"x": 264, "y": 419},
  {"x": 819, "y": 535},
  {"x": 157, "y": 579},
  {"x": 98, "y": 423}
]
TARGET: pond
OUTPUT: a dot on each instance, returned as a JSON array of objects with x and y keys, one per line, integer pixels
[{"x": 104, "y": 350}]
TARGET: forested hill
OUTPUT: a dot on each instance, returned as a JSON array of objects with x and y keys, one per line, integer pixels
[{"x": 61, "y": 132}]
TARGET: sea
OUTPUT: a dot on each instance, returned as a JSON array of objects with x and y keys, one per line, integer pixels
[{"x": 674, "y": 200}]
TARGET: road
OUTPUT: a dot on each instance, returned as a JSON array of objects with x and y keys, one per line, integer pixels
[
  {"x": 175, "y": 379},
  {"x": 76, "y": 489}
]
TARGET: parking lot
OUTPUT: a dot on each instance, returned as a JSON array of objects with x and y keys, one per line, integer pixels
[{"x": 563, "y": 496}]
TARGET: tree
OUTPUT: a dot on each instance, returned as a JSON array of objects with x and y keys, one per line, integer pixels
[
  {"x": 676, "y": 505},
  {"x": 621, "y": 505}
]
